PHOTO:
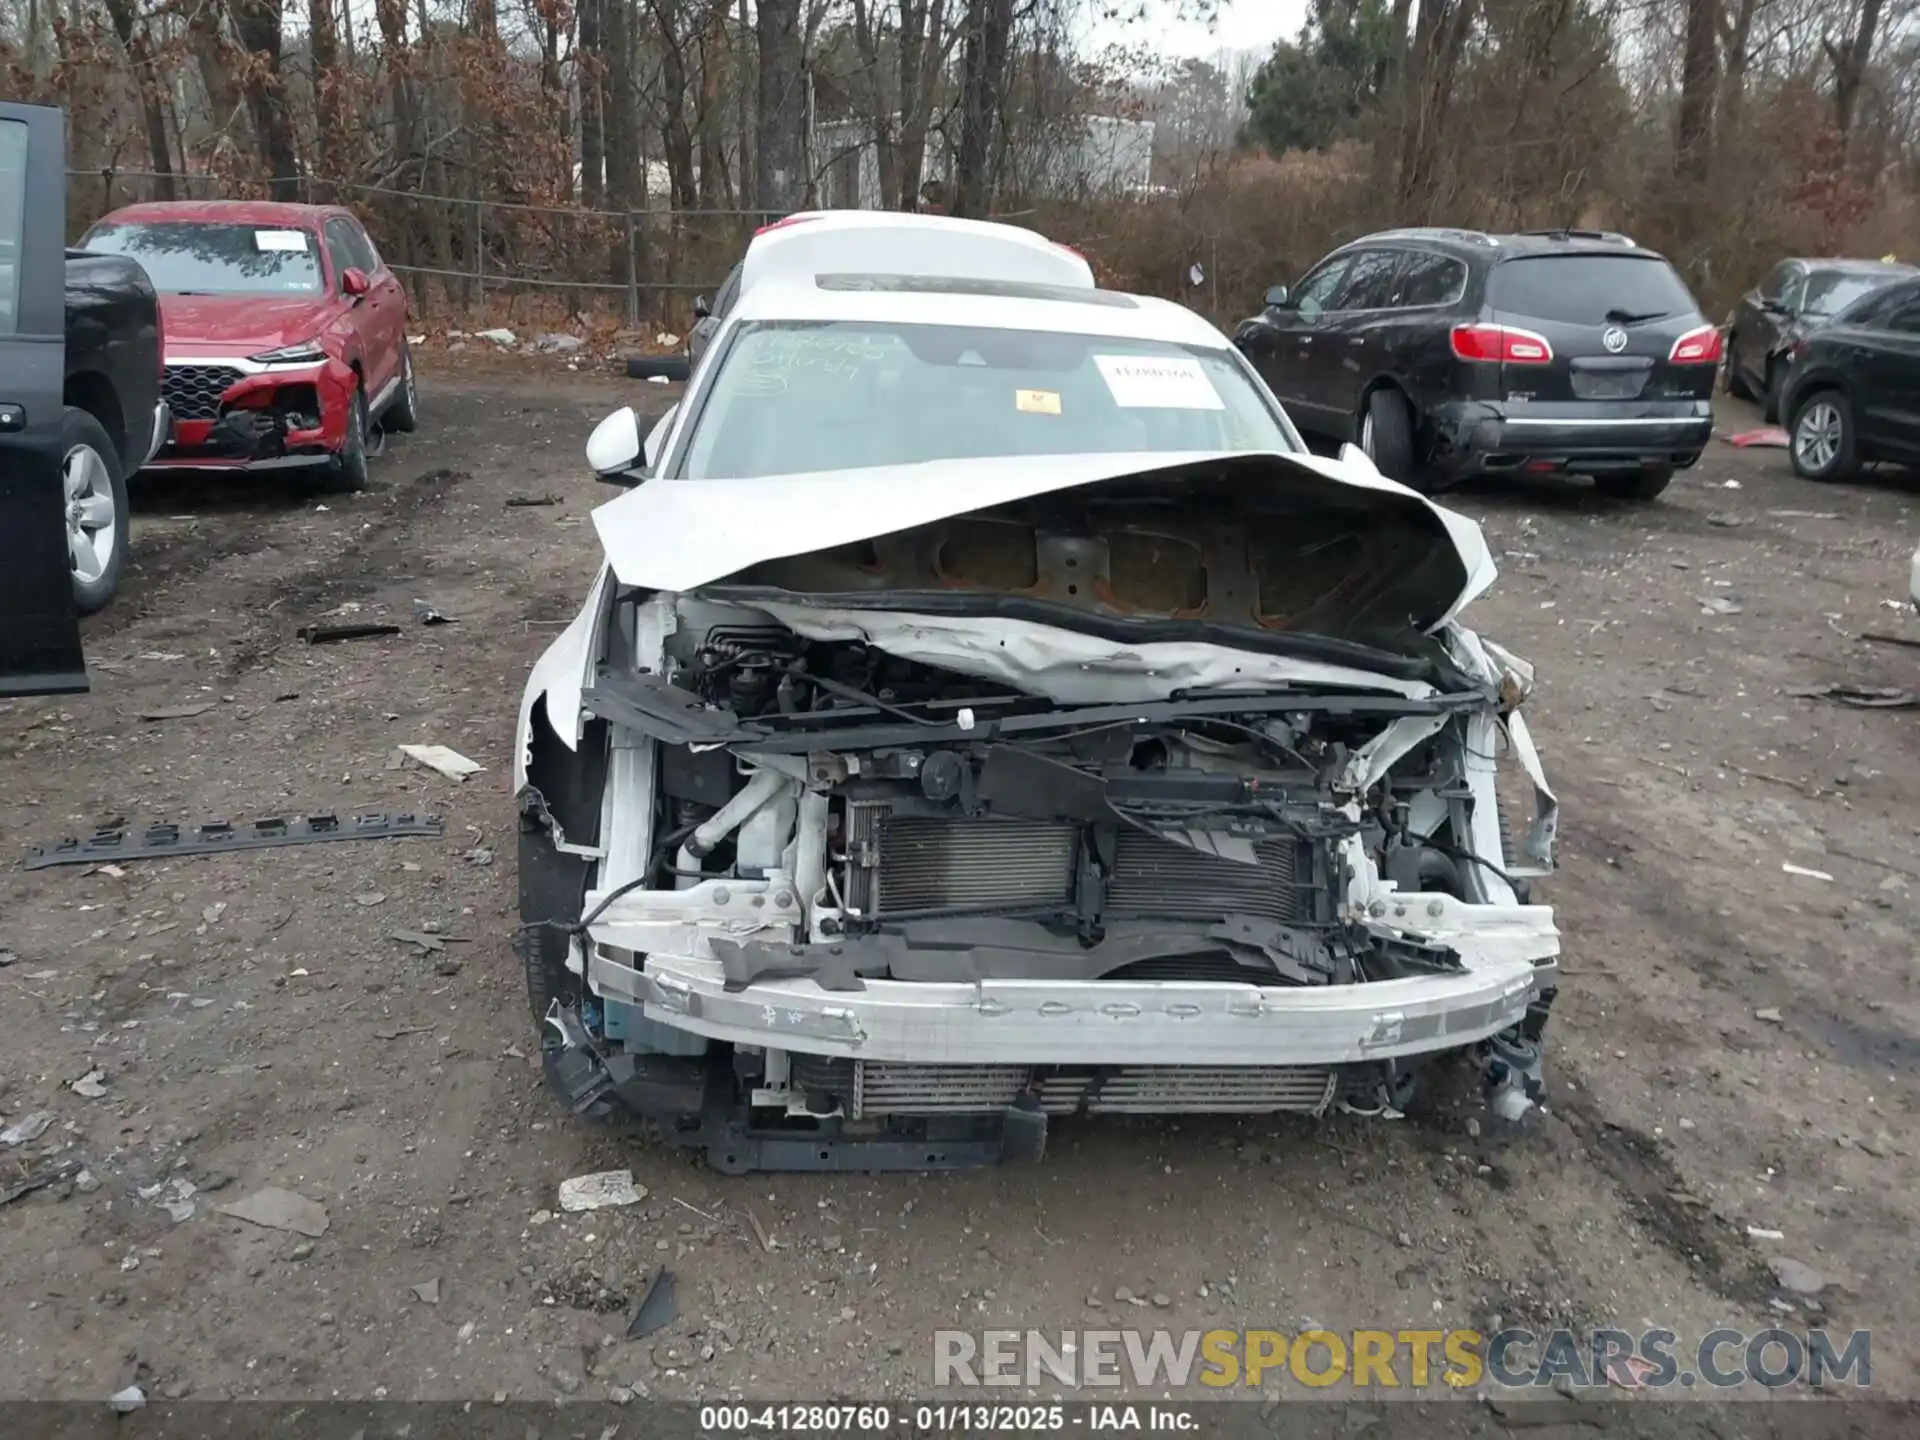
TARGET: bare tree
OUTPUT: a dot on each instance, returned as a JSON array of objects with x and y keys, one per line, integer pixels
[{"x": 780, "y": 142}]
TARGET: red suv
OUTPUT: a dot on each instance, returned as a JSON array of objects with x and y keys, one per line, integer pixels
[{"x": 286, "y": 334}]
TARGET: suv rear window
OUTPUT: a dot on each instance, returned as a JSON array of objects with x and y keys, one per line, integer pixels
[{"x": 1582, "y": 289}]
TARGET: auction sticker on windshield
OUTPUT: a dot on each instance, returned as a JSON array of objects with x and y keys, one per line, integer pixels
[
  {"x": 291, "y": 241},
  {"x": 1144, "y": 382},
  {"x": 1037, "y": 402}
]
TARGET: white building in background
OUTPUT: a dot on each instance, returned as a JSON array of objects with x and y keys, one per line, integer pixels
[{"x": 1097, "y": 155}]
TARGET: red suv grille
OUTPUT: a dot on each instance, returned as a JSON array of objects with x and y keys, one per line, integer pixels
[{"x": 193, "y": 391}]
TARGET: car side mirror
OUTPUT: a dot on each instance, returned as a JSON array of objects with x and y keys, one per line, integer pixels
[
  {"x": 702, "y": 308},
  {"x": 354, "y": 282},
  {"x": 1278, "y": 297},
  {"x": 615, "y": 445}
]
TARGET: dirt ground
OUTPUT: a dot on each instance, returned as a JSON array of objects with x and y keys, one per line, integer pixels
[{"x": 1733, "y": 1054}]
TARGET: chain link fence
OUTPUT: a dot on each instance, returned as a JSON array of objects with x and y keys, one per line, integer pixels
[{"x": 459, "y": 255}]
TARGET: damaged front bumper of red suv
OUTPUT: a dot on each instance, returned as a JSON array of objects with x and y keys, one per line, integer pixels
[{"x": 232, "y": 413}]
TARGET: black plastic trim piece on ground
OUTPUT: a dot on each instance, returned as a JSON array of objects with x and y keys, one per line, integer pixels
[{"x": 217, "y": 836}]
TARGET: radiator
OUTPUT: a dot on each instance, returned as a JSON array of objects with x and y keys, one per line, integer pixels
[
  {"x": 903, "y": 865},
  {"x": 873, "y": 1088}
]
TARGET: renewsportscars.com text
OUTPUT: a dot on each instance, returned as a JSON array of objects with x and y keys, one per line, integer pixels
[{"x": 1403, "y": 1359}]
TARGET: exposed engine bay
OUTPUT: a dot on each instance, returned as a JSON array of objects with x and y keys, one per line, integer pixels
[{"x": 849, "y": 870}]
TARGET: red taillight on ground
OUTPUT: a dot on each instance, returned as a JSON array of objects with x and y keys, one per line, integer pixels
[
  {"x": 1697, "y": 347},
  {"x": 1500, "y": 345}
]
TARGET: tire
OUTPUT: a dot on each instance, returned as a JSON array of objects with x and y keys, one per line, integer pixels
[
  {"x": 347, "y": 473},
  {"x": 402, "y": 415},
  {"x": 1821, "y": 438},
  {"x": 658, "y": 367},
  {"x": 1386, "y": 434},
  {"x": 95, "y": 505},
  {"x": 1643, "y": 485},
  {"x": 1770, "y": 397}
]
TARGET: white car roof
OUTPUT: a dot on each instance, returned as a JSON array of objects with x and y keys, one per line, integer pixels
[
  {"x": 1106, "y": 313},
  {"x": 887, "y": 242}
]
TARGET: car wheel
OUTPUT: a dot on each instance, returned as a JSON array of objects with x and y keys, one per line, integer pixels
[
  {"x": 95, "y": 497},
  {"x": 1822, "y": 438},
  {"x": 1641, "y": 485},
  {"x": 347, "y": 474},
  {"x": 402, "y": 415},
  {"x": 1386, "y": 434},
  {"x": 1770, "y": 400}
]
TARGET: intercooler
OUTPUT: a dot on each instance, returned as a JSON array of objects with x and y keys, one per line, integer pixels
[
  {"x": 874, "y": 1088},
  {"x": 915, "y": 865}
]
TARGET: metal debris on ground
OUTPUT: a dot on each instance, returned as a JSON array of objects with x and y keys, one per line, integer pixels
[
  {"x": 657, "y": 1308},
  {"x": 1770, "y": 1014},
  {"x": 90, "y": 1086},
  {"x": 1804, "y": 514},
  {"x": 167, "y": 840},
  {"x": 27, "y": 1128},
  {"x": 526, "y": 502},
  {"x": 601, "y": 1190},
  {"x": 329, "y": 634},
  {"x": 176, "y": 712},
  {"x": 429, "y": 944},
  {"x": 1861, "y": 697},
  {"x": 1719, "y": 605},
  {"x": 427, "y": 1292},
  {"x": 427, "y": 615},
  {"x": 1880, "y": 637},
  {"x": 1787, "y": 867},
  {"x": 450, "y": 763},
  {"x": 174, "y": 1196},
  {"x": 40, "y": 1180},
  {"x": 275, "y": 1208},
  {"x": 370, "y": 898}
]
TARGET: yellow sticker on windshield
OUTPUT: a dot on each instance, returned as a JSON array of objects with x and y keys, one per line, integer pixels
[{"x": 1037, "y": 402}]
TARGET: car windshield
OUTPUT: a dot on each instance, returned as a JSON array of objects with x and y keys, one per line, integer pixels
[
  {"x": 793, "y": 398},
  {"x": 197, "y": 258},
  {"x": 1587, "y": 289},
  {"x": 1830, "y": 292}
]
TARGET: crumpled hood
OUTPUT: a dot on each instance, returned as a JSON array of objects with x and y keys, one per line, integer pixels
[
  {"x": 239, "y": 324},
  {"x": 677, "y": 535}
]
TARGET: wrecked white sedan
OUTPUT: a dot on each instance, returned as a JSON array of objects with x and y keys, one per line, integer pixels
[{"x": 988, "y": 711}]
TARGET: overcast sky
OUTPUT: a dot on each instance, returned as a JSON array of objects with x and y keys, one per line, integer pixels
[{"x": 1240, "y": 25}]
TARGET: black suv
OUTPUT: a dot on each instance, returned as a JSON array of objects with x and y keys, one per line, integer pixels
[
  {"x": 1448, "y": 353},
  {"x": 1852, "y": 393}
]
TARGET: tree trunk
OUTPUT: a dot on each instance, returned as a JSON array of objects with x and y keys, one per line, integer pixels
[
  {"x": 138, "y": 43},
  {"x": 923, "y": 43},
  {"x": 676, "y": 137},
  {"x": 713, "y": 44},
  {"x": 780, "y": 138},
  {"x": 206, "y": 34},
  {"x": 1850, "y": 69},
  {"x": 983, "y": 74},
  {"x": 1736, "y": 38},
  {"x": 879, "y": 113},
  {"x": 257, "y": 24},
  {"x": 392, "y": 17},
  {"x": 592, "y": 87},
  {"x": 323, "y": 39},
  {"x": 1441, "y": 38},
  {"x": 1699, "y": 68}
]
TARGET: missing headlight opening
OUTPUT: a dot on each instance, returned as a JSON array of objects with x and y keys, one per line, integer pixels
[{"x": 1148, "y": 798}]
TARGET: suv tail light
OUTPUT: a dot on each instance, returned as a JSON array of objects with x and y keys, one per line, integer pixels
[
  {"x": 782, "y": 224},
  {"x": 1500, "y": 345},
  {"x": 1697, "y": 347}
]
